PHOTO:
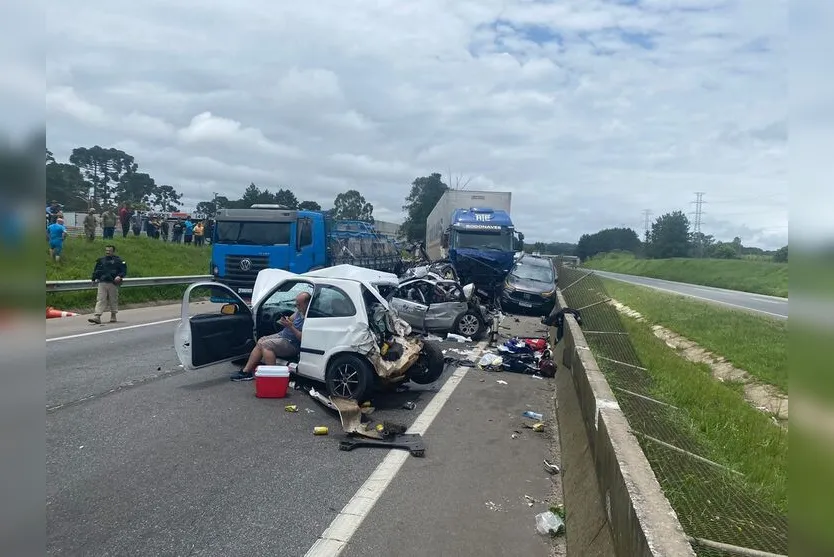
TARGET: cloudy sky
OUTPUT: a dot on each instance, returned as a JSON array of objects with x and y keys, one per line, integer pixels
[{"x": 588, "y": 111}]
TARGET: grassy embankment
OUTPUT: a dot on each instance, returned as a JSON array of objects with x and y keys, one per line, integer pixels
[
  {"x": 758, "y": 345},
  {"x": 145, "y": 257},
  {"x": 734, "y": 433},
  {"x": 760, "y": 277}
]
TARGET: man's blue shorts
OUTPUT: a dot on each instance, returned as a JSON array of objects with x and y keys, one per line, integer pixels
[{"x": 57, "y": 247}]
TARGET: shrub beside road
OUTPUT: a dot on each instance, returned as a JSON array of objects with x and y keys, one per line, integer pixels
[
  {"x": 145, "y": 257},
  {"x": 746, "y": 275},
  {"x": 758, "y": 345}
]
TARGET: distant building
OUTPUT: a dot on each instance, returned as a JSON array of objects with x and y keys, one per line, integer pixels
[{"x": 389, "y": 229}]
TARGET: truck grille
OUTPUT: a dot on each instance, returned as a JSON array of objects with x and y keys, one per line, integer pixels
[{"x": 245, "y": 268}]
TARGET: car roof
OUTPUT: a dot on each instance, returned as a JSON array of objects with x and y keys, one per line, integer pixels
[{"x": 268, "y": 279}]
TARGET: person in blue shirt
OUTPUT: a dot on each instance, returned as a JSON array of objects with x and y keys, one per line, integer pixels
[
  {"x": 285, "y": 345},
  {"x": 189, "y": 231},
  {"x": 56, "y": 233}
]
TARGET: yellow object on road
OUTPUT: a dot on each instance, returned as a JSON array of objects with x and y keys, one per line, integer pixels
[
  {"x": 320, "y": 430},
  {"x": 291, "y": 408},
  {"x": 538, "y": 427}
]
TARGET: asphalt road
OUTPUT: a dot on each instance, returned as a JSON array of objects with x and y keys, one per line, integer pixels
[
  {"x": 144, "y": 458},
  {"x": 755, "y": 303}
]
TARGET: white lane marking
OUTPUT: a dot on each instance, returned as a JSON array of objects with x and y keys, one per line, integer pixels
[
  {"x": 712, "y": 300},
  {"x": 336, "y": 537},
  {"x": 116, "y": 330}
]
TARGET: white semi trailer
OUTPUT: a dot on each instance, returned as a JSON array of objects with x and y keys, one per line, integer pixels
[{"x": 440, "y": 217}]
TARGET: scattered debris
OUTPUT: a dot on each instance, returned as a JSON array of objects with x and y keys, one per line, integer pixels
[
  {"x": 433, "y": 338},
  {"x": 501, "y": 382},
  {"x": 537, "y": 376},
  {"x": 549, "y": 523},
  {"x": 290, "y": 408},
  {"x": 457, "y": 338},
  {"x": 309, "y": 410},
  {"x": 530, "y": 501},
  {"x": 514, "y": 436},
  {"x": 550, "y": 468},
  {"x": 412, "y": 442},
  {"x": 533, "y": 415},
  {"x": 409, "y": 405},
  {"x": 490, "y": 360},
  {"x": 493, "y": 507},
  {"x": 538, "y": 428},
  {"x": 320, "y": 430}
]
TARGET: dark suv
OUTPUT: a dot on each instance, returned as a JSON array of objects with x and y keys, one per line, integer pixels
[{"x": 530, "y": 286}]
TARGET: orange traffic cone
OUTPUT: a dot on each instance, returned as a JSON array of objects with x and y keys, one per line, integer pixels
[{"x": 52, "y": 313}]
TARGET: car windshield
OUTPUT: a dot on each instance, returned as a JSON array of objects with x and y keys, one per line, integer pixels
[
  {"x": 252, "y": 233},
  {"x": 536, "y": 273},
  {"x": 502, "y": 240}
]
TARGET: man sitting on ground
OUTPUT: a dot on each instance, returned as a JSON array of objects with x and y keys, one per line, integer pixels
[{"x": 285, "y": 344}]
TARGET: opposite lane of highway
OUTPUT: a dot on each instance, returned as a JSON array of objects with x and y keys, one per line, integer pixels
[{"x": 755, "y": 303}]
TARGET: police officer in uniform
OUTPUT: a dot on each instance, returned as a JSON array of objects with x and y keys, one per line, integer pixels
[{"x": 108, "y": 274}]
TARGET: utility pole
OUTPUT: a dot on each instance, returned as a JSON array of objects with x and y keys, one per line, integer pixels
[
  {"x": 647, "y": 215},
  {"x": 699, "y": 213}
]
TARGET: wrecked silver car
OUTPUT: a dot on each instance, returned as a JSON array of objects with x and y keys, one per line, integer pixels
[{"x": 441, "y": 306}]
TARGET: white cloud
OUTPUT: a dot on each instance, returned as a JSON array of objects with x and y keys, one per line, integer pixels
[{"x": 587, "y": 111}]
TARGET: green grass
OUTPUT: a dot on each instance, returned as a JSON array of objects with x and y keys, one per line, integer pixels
[
  {"x": 733, "y": 433},
  {"x": 746, "y": 275},
  {"x": 758, "y": 345},
  {"x": 145, "y": 257}
]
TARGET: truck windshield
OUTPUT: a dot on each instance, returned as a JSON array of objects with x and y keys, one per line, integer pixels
[
  {"x": 252, "y": 233},
  {"x": 502, "y": 240}
]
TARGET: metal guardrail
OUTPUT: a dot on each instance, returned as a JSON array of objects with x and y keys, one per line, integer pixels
[{"x": 76, "y": 285}]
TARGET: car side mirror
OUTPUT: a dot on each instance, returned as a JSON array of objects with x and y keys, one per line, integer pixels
[{"x": 228, "y": 309}]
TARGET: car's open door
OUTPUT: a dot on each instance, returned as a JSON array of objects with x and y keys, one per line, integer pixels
[{"x": 212, "y": 332}]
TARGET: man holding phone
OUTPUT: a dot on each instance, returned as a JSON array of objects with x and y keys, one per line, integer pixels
[{"x": 285, "y": 344}]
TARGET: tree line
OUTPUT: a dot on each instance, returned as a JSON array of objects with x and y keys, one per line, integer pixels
[
  {"x": 349, "y": 205},
  {"x": 98, "y": 177},
  {"x": 670, "y": 236}
]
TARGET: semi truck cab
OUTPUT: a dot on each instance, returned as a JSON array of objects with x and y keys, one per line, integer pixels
[{"x": 481, "y": 243}]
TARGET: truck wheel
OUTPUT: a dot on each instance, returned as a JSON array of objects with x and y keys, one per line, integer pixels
[
  {"x": 470, "y": 324},
  {"x": 429, "y": 366},
  {"x": 348, "y": 376}
]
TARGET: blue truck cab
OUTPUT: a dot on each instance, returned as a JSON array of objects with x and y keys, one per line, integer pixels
[
  {"x": 246, "y": 241},
  {"x": 482, "y": 243}
]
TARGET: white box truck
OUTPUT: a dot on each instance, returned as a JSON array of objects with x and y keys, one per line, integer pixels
[{"x": 440, "y": 217}]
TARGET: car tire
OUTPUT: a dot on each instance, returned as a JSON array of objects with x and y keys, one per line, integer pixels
[
  {"x": 349, "y": 376},
  {"x": 429, "y": 366},
  {"x": 470, "y": 324}
]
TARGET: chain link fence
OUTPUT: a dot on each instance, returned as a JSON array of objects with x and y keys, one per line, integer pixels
[{"x": 713, "y": 503}]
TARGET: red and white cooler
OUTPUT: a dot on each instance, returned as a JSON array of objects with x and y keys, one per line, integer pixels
[{"x": 272, "y": 381}]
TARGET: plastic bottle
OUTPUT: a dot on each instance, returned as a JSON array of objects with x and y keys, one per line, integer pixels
[
  {"x": 549, "y": 523},
  {"x": 533, "y": 415}
]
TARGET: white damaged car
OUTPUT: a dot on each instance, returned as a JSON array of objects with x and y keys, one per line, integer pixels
[{"x": 352, "y": 341}]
